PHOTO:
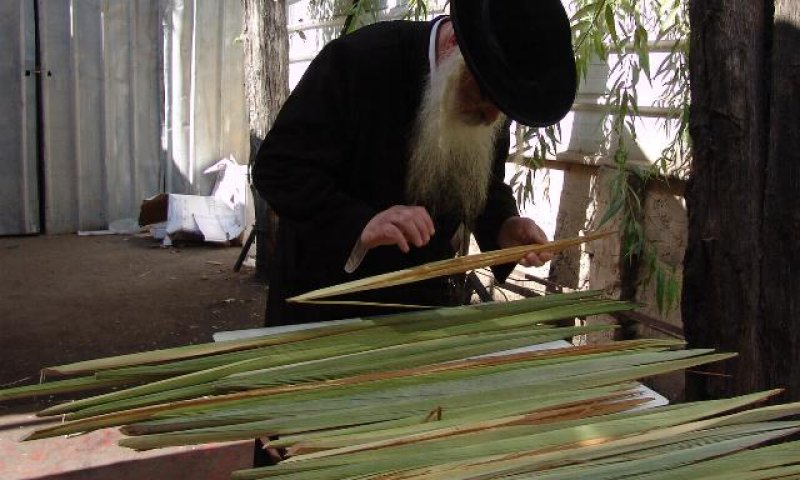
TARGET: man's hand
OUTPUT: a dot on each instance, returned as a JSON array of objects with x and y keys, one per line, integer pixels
[
  {"x": 524, "y": 231},
  {"x": 399, "y": 225}
]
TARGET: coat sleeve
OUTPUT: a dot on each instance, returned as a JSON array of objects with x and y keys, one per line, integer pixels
[
  {"x": 301, "y": 167},
  {"x": 500, "y": 205}
]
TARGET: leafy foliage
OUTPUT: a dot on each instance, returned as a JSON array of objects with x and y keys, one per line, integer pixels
[{"x": 616, "y": 33}]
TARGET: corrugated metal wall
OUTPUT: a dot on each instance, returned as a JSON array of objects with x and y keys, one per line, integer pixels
[
  {"x": 114, "y": 130},
  {"x": 100, "y": 107},
  {"x": 205, "y": 114},
  {"x": 19, "y": 211}
]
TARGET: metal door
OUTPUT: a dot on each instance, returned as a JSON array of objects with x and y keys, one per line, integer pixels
[{"x": 19, "y": 188}]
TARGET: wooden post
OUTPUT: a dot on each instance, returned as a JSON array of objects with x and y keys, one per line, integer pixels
[{"x": 740, "y": 288}]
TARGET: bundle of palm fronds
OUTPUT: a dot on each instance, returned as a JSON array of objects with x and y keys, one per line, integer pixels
[
  {"x": 424, "y": 395},
  {"x": 414, "y": 396}
]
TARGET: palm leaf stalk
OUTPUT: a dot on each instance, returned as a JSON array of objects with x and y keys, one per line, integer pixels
[
  {"x": 387, "y": 331},
  {"x": 637, "y": 460},
  {"x": 72, "y": 385},
  {"x": 530, "y": 396},
  {"x": 415, "y": 354},
  {"x": 142, "y": 367},
  {"x": 492, "y": 414},
  {"x": 351, "y": 342},
  {"x": 248, "y": 413},
  {"x": 532, "y": 439},
  {"x": 384, "y": 396},
  {"x": 383, "y": 326},
  {"x": 776, "y": 461},
  {"x": 431, "y": 387},
  {"x": 610, "y": 451},
  {"x": 178, "y": 353},
  {"x": 442, "y": 268}
]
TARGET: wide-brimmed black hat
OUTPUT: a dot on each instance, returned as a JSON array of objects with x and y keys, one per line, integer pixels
[{"x": 520, "y": 52}]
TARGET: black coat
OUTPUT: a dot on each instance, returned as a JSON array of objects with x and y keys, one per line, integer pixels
[{"x": 336, "y": 156}]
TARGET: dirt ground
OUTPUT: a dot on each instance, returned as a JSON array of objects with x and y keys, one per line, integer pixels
[{"x": 67, "y": 298}]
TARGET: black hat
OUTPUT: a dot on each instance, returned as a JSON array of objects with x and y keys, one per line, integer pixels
[{"x": 520, "y": 52}]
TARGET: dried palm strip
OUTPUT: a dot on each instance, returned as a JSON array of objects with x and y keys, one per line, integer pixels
[
  {"x": 535, "y": 377},
  {"x": 519, "y": 462},
  {"x": 193, "y": 351},
  {"x": 382, "y": 387},
  {"x": 372, "y": 328},
  {"x": 137, "y": 414},
  {"x": 444, "y": 267},
  {"x": 458, "y": 407},
  {"x": 212, "y": 351},
  {"x": 176, "y": 394},
  {"x": 395, "y": 356},
  {"x": 589, "y": 459},
  {"x": 505, "y": 441},
  {"x": 264, "y": 378},
  {"x": 457, "y": 410},
  {"x": 62, "y": 386},
  {"x": 283, "y": 426},
  {"x": 549, "y": 383},
  {"x": 789, "y": 472},
  {"x": 145, "y": 413},
  {"x": 249, "y": 413},
  {"x": 542, "y": 439},
  {"x": 572, "y": 412},
  {"x": 266, "y": 428},
  {"x": 360, "y": 435},
  {"x": 664, "y": 461},
  {"x": 402, "y": 356},
  {"x": 775, "y": 461},
  {"x": 366, "y": 341}
]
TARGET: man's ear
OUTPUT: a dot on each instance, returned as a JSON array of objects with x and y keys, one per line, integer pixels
[{"x": 447, "y": 41}]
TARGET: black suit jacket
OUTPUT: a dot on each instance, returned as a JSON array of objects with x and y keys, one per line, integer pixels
[{"x": 337, "y": 155}]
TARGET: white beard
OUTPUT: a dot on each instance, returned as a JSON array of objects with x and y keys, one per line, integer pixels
[{"x": 451, "y": 160}]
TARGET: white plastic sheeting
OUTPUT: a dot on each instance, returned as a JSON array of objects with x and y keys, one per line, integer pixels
[{"x": 142, "y": 96}]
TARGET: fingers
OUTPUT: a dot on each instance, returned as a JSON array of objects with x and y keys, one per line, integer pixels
[
  {"x": 524, "y": 231},
  {"x": 391, "y": 235},
  {"x": 399, "y": 225},
  {"x": 413, "y": 226},
  {"x": 536, "y": 259},
  {"x": 536, "y": 234}
]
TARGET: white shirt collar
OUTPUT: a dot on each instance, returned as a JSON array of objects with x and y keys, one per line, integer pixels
[{"x": 432, "y": 44}]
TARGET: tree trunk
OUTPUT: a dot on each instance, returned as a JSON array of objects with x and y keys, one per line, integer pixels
[
  {"x": 742, "y": 199},
  {"x": 780, "y": 296},
  {"x": 266, "y": 47}
]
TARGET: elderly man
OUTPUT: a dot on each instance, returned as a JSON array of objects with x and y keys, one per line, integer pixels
[{"x": 393, "y": 145}]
